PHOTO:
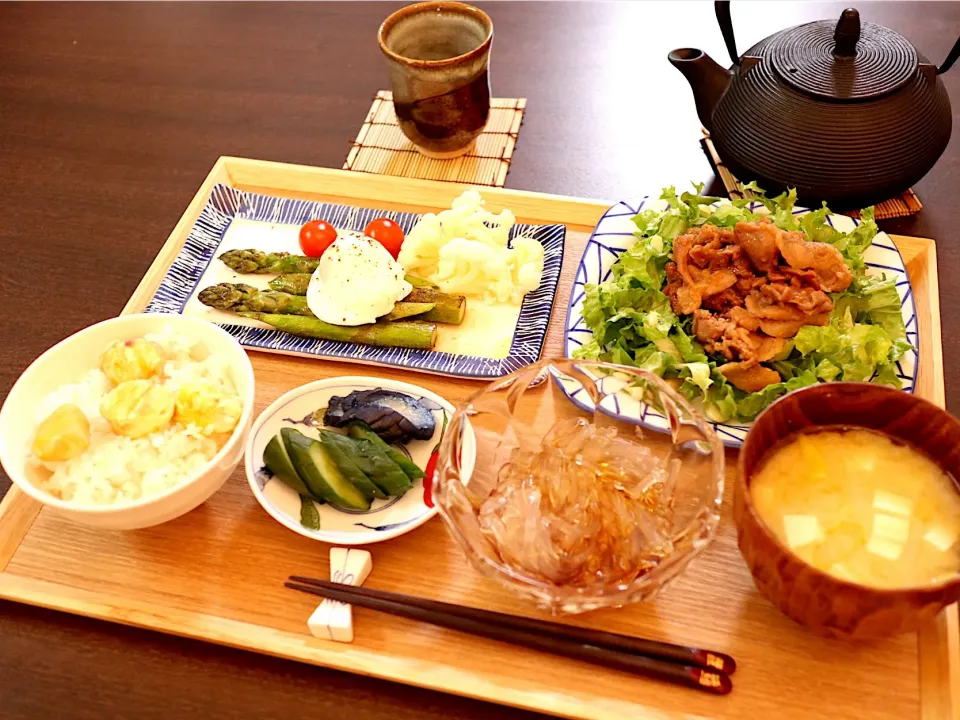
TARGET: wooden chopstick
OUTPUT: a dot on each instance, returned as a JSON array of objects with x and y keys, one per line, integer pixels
[
  {"x": 535, "y": 634},
  {"x": 707, "y": 659}
]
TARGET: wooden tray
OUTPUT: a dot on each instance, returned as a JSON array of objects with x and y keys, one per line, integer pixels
[{"x": 217, "y": 573}]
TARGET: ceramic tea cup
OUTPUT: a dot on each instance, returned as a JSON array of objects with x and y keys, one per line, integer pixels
[{"x": 437, "y": 54}]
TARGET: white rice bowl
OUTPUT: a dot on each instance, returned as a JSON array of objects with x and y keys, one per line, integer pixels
[
  {"x": 115, "y": 468},
  {"x": 120, "y": 482}
]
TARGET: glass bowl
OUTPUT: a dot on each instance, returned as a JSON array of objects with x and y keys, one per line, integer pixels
[{"x": 571, "y": 502}]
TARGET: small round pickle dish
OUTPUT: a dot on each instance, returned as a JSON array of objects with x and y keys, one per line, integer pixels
[{"x": 386, "y": 518}]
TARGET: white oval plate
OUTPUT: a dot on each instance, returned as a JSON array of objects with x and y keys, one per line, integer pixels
[
  {"x": 385, "y": 519},
  {"x": 615, "y": 233}
]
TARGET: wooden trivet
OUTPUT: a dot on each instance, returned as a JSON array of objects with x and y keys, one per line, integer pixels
[
  {"x": 907, "y": 203},
  {"x": 382, "y": 148}
]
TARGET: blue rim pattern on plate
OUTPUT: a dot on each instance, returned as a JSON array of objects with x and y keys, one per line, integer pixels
[
  {"x": 226, "y": 203},
  {"x": 614, "y": 233}
]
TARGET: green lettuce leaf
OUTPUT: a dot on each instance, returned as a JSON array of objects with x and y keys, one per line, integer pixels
[
  {"x": 590, "y": 350},
  {"x": 856, "y": 242},
  {"x": 720, "y": 402},
  {"x": 851, "y": 245},
  {"x": 697, "y": 373},
  {"x": 642, "y": 265},
  {"x": 887, "y": 375},
  {"x": 665, "y": 226},
  {"x": 688, "y": 206},
  {"x": 654, "y": 361},
  {"x": 900, "y": 346},
  {"x": 647, "y": 222},
  {"x": 633, "y": 323},
  {"x": 856, "y": 348},
  {"x": 647, "y": 358},
  {"x": 634, "y": 315},
  {"x": 779, "y": 207},
  {"x": 672, "y": 227},
  {"x": 794, "y": 364},
  {"x": 728, "y": 215},
  {"x": 827, "y": 371},
  {"x": 690, "y": 350},
  {"x": 816, "y": 228},
  {"x": 754, "y": 403},
  {"x": 643, "y": 325},
  {"x": 873, "y": 300}
]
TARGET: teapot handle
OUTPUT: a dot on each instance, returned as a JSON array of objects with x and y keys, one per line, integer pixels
[
  {"x": 951, "y": 58},
  {"x": 722, "y": 8}
]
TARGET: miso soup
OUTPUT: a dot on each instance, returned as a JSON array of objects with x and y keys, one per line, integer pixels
[{"x": 861, "y": 507}]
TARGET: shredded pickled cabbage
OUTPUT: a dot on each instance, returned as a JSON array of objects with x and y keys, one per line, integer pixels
[{"x": 466, "y": 250}]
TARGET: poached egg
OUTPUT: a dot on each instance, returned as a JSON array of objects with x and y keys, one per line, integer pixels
[{"x": 356, "y": 282}]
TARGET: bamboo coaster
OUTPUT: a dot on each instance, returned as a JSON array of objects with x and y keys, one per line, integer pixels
[
  {"x": 907, "y": 203},
  {"x": 382, "y": 148}
]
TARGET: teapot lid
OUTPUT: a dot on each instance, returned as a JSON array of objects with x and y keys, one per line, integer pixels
[{"x": 845, "y": 61}]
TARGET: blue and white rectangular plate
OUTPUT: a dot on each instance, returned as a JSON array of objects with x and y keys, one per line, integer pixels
[
  {"x": 238, "y": 219},
  {"x": 615, "y": 233}
]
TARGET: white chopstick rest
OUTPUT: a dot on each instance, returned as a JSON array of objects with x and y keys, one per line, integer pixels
[{"x": 333, "y": 620}]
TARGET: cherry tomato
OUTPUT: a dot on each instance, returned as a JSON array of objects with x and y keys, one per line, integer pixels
[
  {"x": 387, "y": 233},
  {"x": 316, "y": 236}
]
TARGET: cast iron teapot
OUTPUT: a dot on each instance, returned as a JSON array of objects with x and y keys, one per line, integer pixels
[{"x": 846, "y": 112}]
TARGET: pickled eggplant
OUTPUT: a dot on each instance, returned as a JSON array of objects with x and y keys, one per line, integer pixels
[{"x": 394, "y": 416}]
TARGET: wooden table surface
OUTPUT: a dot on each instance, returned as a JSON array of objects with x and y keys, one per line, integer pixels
[{"x": 112, "y": 114}]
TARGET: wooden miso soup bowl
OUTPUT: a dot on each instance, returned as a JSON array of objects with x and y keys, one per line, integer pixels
[{"x": 825, "y": 604}]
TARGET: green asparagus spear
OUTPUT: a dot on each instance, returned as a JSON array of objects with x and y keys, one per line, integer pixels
[
  {"x": 294, "y": 277},
  {"x": 405, "y": 309},
  {"x": 293, "y": 283},
  {"x": 296, "y": 283},
  {"x": 448, "y": 309},
  {"x": 243, "y": 298},
  {"x": 420, "y": 335},
  {"x": 259, "y": 262},
  {"x": 237, "y": 297},
  {"x": 418, "y": 282}
]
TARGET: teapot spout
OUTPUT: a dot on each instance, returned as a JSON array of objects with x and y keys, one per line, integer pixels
[{"x": 707, "y": 79}]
